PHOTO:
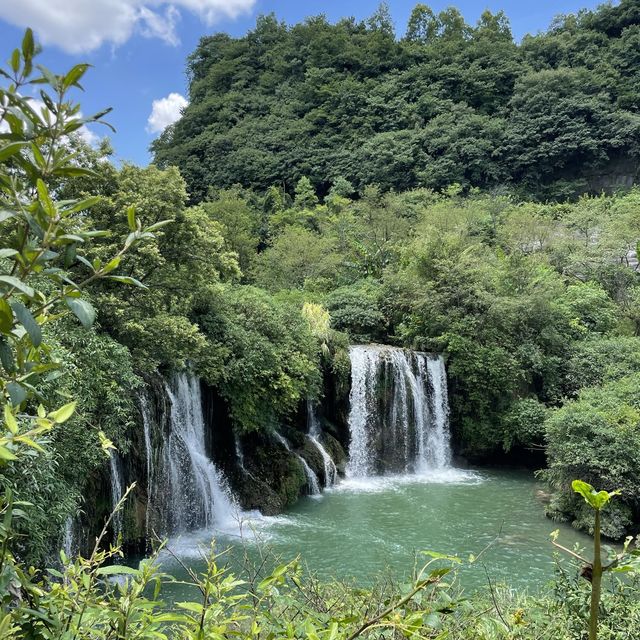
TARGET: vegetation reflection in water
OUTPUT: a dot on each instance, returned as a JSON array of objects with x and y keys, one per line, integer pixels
[{"x": 361, "y": 529}]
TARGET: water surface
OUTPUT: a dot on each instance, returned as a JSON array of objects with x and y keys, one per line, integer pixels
[{"x": 361, "y": 528}]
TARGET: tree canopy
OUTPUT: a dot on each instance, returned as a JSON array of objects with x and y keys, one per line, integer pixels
[{"x": 446, "y": 102}]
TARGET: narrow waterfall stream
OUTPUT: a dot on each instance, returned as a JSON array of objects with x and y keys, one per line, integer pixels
[
  {"x": 191, "y": 490},
  {"x": 314, "y": 433},
  {"x": 146, "y": 426},
  {"x": 68, "y": 538},
  {"x": 239, "y": 454},
  {"x": 312, "y": 479},
  {"x": 398, "y": 414},
  {"x": 117, "y": 490}
]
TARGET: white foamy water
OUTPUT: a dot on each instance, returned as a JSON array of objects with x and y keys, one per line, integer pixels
[
  {"x": 398, "y": 412},
  {"x": 192, "y": 490},
  {"x": 377, "y": 484},
  {"x": 117, "y": 491}
]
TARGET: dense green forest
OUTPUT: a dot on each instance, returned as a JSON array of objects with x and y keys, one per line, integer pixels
[
  {"x": 548, "y": 118},
  {"x": 449, "y": 191}
]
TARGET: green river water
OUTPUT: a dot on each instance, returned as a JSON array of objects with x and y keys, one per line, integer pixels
[{"x": 361, "y": 529}]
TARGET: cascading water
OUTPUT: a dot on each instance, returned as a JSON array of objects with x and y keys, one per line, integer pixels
[
  {"x": 438, "y": 449},
  {"x": 239, "y": 454},
  {"x": 312, "y": 479},
  {"x": 117, "y": 491},
  {"x": 190, "y": 489},
  {"x": 69, "y": 539},
  {"x": 398, "y": 416},
  {"x": 313, "y": 425},
  {"x": 146, "y": 426}
]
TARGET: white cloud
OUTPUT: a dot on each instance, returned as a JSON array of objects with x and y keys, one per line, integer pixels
[
  {"x": 90, "y": 137},
  {"x": 80, "y": 25},
  {"x": 165, "y": 112},
  {"x": 154, "y": 25}
]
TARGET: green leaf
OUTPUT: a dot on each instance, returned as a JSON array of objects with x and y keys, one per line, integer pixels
[
  {"x": 6, "y": 215},
  {"x": 63, "y": 413},
  {"x": 5, "y": 454},
  {"x": 82, "y": 205},
  {"x": 135, "y": 236},
  {"x": 17, "y": 284},
  {"x": 71, "y": 237},
  {"x": 10, "y": 420},
  {"x": 45, "y": 198},
  {"x": 117, "y": 569},
  {"x": 111, "y": 265},
  {"x": 10, "y": 150},
  {"x": 7, "y": 253},
  {"x": 194, "y": 607},
  {"x": 75, "y": 172},
  {"x": 127, "y": 280},
  {"x": 82, "y": 310},
  {"x": 6, "y": 357},
  {"x": 158, "y": 225},
  {"x": 96, "y": 116},
  {"x": 17, "y": 393},
  {"x": 28, "y": 322},
  {"x": 74, "y": 75},
  {"x": 440, "y": 556},
  {"x": 6, "y": 316},
  {"x": 28, "y": 46},
  {"x": 595, "y": 499},
  {"x": 131, "y": 218},
  {"x": 15, "y": 60}
]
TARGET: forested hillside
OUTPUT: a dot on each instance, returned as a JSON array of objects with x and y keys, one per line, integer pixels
[{"x": 436, "y": 103}]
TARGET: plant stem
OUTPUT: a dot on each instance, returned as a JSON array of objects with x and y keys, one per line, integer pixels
[{"x": 596, "y": 581}]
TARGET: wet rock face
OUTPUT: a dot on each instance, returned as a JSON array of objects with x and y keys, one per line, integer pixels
[
  {"x": 271, "y": 478},
  {"x": 336, "y": 451}
]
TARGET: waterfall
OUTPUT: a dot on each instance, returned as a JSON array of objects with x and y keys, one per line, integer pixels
[
  {"x": 146, "y": 426},
  {"x": 312, "y": 479},
  {"x": 398, "y": 414},
  {"x": 313, "y": 425},
  {"x": 117, "y": 491},
  {"x": 68, "y": 539},
  {"x": 239, "y": 454},
  {"x": 438, "y": 441},
  {"x": 193, "y": 492}
]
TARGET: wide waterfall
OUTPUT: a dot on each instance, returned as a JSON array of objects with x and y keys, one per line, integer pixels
[
  {"x": 189, "y": 490},
  {"x": 399, "y": 412}
]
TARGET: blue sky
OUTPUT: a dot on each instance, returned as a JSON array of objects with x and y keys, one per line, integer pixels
[{"x": 138, "y": 47}]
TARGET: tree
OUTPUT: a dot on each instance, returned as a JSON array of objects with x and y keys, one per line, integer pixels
[
  {"x": 563, "y": 120},
  {"x": 240, "y": 224},
  {"x": 305, "y": 194},
  {"x": 423, "y": 24},
  {"x": 297, "y": 258},
  {"x": 46, "y": 271}
]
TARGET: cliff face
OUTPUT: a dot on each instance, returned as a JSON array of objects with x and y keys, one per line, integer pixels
[
  {"x": 264, "y": 473},
  {"x": 618, "y": 174}
]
